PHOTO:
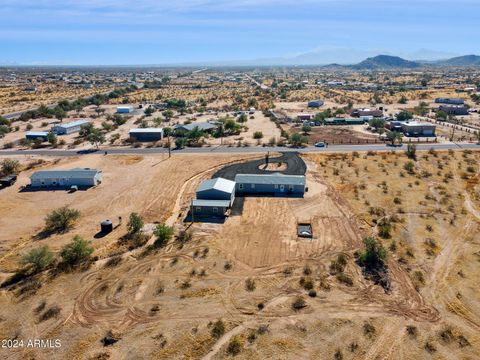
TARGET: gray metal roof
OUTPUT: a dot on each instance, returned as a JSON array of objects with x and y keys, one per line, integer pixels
[
  {"x": 72, "y": 124},
  {"x": 276, "y": 178},
  {"x": 37, "y": 133},
  {"x": 219, "y": 184},
  {"x": 200, "y": 125},
  {"x": 76, "y": 173},
  {"x": 146, "y": 130},
  {"x": 211, "y": 203}
]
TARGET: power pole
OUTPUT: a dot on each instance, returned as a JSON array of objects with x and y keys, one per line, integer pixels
[{"x": 169, "y": 148}]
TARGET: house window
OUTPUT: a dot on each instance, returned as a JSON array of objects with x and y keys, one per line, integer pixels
[
  {"x": 215, "y": 209},
  {"x": 276, "y": 186},
  {"x": 290, "y": 188},
  {"x": 240, "y": 186},
  {"x": 198, "y": 209},
  {"x": 253, "y": 186},
  {"x": 282, "y": 187}
]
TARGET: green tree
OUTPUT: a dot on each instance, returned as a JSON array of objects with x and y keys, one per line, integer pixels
[
  {"x": 38, "y": 259},
  {"x": 163, "y": 234},
  {"x": 306, "y": 128},
  {"x": 86, "y": 129},
  {"x": 441, "y": 115},
  {"x": 168, "y": 114},
  {"x": 180, "y": 142},
  {"x": 52, "y": 139},
  {"x": 61, "y": 219},
  {"x": 377, "y": 123},
  {"x": 149, "y": 111},
  {"x": 404, "y": 115},
  {"x": 403, "y": 100},
  {"x": 76, "y": 252},
  {"x": 411, "y": 151},
  {"x": 394, "y": 136},
  {"x": 242, "y": 118},
  {"x": 374, "y": 255},
  {"x": 298, "y": 140},
  {"x": 135, "y": 223},
  {"x": 96, "y": 137}
]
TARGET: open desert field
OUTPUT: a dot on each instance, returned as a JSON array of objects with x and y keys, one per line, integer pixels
[{"x": 233, "y": 285}]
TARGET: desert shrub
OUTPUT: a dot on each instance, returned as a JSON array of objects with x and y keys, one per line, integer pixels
[
  {"x": 299, "y": 303},
  {"x": 307, "y": 270},
  {"x": 184, "y": 236},
  {"x": 135, "y": 223},
  {"x": 76, "y": 252},
  {"x": 113, "y": 261},
  {"x": 338, "y": 355},
  {"x": 384, "y": 229},
  {"x": 312, "y": 293},
  {"x": 38, "y": 259},
  {"x": 218, "y": 329},
  {"x": 369, "y": 330},
  {"x": 412, "y": 331},
  {"x": 163, "y": 233},
  {"x": 9, "y": 167},
  {"x": 52, "y": 312},
  {"x": 338, "y": 264},
  {"x": 250, "y": 284},
  {"x": 228, "y": 265},
  {"x": 61, "y": 219},
  {"x": 306, "y": 283},
  {"x": 409, "y": 167},
  {"x": 429, "y": 347},
  {"x": 234, "y": 346},
  {"x": 344, "y": 279},
  {"x": 257, "y": 135}
]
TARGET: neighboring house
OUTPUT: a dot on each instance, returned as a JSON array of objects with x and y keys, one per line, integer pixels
[
  {"x": 124, "y": 109},
  {"x": 202, "y": 126},
  {"x": 451, "y": 101},
  {"x": 315, "y": 103},
  {"x": 366, "y": 113},
  {"x": 66, "y": 178},
  {"x": 34, "y": 135},
  {"x": 344, "y": 121},
  {"x": 69, "y": 128},
  {"x": 415, "y": 128},
  {"x": 394, "y": 126},
  {"x": 305, "y": 117},
  {"x": 270, "y": 184},
  {"x": 146, "y": 134},
  {"x": 214, "y": 197},
  {"x": 454, "y": 109}
]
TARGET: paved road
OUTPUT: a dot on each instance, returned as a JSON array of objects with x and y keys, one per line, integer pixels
[{"x": 236, "y": 150}]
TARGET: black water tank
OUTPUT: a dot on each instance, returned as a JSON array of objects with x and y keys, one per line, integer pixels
[{"x": 106, "y": 226}]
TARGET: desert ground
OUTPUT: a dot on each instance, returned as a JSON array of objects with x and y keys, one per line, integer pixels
[{"x": 229, "y": 290}]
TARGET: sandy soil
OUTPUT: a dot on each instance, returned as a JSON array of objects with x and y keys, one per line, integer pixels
[{"x": 163, "y": 305}]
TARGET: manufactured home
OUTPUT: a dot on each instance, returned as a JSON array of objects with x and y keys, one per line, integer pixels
[
  {"x": 66, "y": 178},
  {"x": 276, "y": 184},
  {"x": 415, "y": 128},
  {"x": 69, "y": 128},
  {"x": 37, "y": 135}
]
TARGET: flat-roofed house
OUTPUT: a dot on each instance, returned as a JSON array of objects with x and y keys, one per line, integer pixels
[
  {"x": 202, "y": 126},
  {"x": 69, "y": 128},
  {"x": 416, "y": 128},
  {"x": 66, "y": 178},
  {"x": 146, "y": 134},
  {"x": 276, "y": 184},
  {"x": 454, "y": 109}
]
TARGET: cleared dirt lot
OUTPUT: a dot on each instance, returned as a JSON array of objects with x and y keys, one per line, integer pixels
[{"x": 164, "y": 304}]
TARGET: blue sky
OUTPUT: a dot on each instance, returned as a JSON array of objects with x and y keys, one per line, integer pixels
[{"x": 183, "y": 31}]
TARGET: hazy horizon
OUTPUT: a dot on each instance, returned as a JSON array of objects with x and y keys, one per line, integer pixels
[{"x": 245, "y": 32}]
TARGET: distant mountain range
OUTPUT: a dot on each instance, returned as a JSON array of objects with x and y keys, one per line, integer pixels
[{"x": 394, "y": 62}]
